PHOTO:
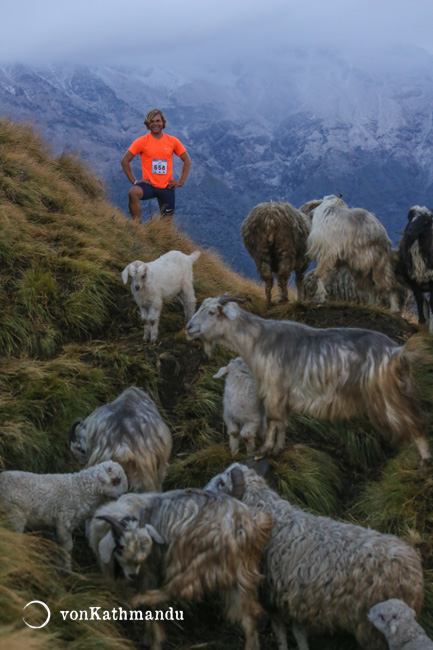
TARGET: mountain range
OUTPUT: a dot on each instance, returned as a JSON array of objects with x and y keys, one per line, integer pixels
[{"x": 305, "y": 124}]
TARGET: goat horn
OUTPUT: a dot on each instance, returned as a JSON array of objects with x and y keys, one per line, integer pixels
[
  {"x": 225, "y": 298},
  {"x": 238, "y": 483},
  {"x": 117, "y": 526},
  {"x": 340, "y": 195},
  {"x": 72, "y": 428}
]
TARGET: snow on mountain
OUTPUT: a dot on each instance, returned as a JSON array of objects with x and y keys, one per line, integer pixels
[{"x": 296, "y": 127}]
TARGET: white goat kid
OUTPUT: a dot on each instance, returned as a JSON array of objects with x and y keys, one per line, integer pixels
[
  {"x": 244, "y": 415},
  {"x": 154, "y": 282}
]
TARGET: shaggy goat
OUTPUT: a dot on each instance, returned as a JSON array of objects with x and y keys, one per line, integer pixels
[
  {"x": 130, "y": 431},
  {"x": 332, "y": 373},
  {"x": 59, "y": 501},
  {"x": 396, "y": 620},
  {"x": 353, "y": 237},
  {"x": 323, "y": 574},
  {"x": 415, "y": 261},
  {"x": 243, "y": 414},
  {"x": 275, "y": 235},
  {"x": 153, "y": 282},
  {"x": 211, "y": 544}
]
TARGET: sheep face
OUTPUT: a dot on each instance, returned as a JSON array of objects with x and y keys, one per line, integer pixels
[
  {"x": 112, "y": 479},
  {"x": 211, "y": 322},
  {"x": 391, "y": 616},
  {"x": 227, "y": 482},
  {"x": 129, "y": 543}
]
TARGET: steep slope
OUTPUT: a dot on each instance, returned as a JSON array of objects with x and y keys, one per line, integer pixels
[{"x": 71, "y": 339}]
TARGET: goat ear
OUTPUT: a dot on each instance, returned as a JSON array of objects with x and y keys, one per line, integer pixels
[
  {"x": 159, "y": 539},
  {"x": 230, "y": 311},
  {"x": 106, "y": 547},
  {"x": 125, "y": 274},
  {"x": 221, "y": 372}
]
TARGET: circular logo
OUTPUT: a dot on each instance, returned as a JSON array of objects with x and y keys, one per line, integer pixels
[{"x": 38, "y": 602}]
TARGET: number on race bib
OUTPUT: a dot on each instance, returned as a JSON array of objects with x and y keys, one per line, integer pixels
[{"x": 159, "y": 166}]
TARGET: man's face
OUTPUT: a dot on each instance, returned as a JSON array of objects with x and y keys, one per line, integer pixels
[{"x": 156, "y": 124}]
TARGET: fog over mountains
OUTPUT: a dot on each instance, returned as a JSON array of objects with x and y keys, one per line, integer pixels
[{"x": 294, "y": 128}]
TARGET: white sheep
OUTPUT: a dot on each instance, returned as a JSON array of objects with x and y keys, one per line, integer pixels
[
  {"x": 130, "y": 431},
  {"x": 324, "y": 575},
  {"x": 59, "y": 501},
  {"x": 396, "y": 620},
  {"x": 154, "y": 282},
  {"x": 243, "y": 413},
  {"x": 353, "y": 237}
]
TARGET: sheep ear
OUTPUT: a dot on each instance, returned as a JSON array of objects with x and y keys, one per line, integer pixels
[
  {"x": 259, "y": 465},
  {"x": 106, "y": 547},
  {"x": 159, "y": 539},
  {"x": 72, "y": 428},
  {"x": 221, "y": 372},
  {"x": 125, "y": 274}
]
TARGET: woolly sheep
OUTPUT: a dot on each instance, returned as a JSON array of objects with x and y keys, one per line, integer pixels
[
  {"x": 323, "y": 574},
  {"x": 243, "y": 413},
  {"x": 332, "y": 373},
  {"x": 59, "y": 501},
  {"x": 354, "y": 237},
  {"x": 130, "y": 431},
  {"x": 275, "y": 235},
  {"x": 182, "y": 543},
  {"x": 415, "y": 261},
  {"x": 396, "y": 620},
  {"x": 154, "y": 282}
]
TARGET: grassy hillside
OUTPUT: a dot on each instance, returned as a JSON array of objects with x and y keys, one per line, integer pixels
[{"x": 71, "y": 339}]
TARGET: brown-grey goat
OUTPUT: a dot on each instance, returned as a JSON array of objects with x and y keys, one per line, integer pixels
[
  {"x": 332, "y": 373},
  {"x": 204, "y": 543},
  {"x": 396, "y": 620},
  {"x": 324, "y": 575},
  {"x": 353, "y": 237},
  {"x": 275, "y": 235},
  {"x": 130, "y": 431}
]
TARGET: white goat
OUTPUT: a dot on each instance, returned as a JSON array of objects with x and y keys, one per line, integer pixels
[
  {"x": 323, "y": 574},
  {"x": 130, "y": 431},
  {"x": 243, "y": 413},
  {"x": 59, "y": 501},
  {"x": 203, "y": 543},
  {"x": 333, "y": 373},
  {"x": 396, "y": 620},
  {"x": 154, "y": 282},
  {"x": 353, "y": 237}
]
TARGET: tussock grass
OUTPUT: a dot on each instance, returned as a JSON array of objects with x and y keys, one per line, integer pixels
[{"x": 71, "y": 340}]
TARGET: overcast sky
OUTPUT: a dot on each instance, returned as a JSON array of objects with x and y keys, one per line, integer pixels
[{"x": 185, "y": 32}]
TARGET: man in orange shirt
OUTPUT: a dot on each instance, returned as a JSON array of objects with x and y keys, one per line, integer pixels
[{"x": 156, "y": 154}]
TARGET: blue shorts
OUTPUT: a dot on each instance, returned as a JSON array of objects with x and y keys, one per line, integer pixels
[{"x": 164, "y": 196}]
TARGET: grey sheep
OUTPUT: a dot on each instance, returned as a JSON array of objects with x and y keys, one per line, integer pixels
[
  {"x": 59, "y": 501},
  {"x": 243, "y": 414},
  {"x": 323, "y": 574},
  {"x": 183, "y": 543},
  {"x": 275, "y": 235},
  {"x": 396, "y": 620},
  {"x": 340, "y": 285},
  {"x": 130, "y": 431}
]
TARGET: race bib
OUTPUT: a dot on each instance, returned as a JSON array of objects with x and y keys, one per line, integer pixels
[{"x": 159, "y": 166}]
